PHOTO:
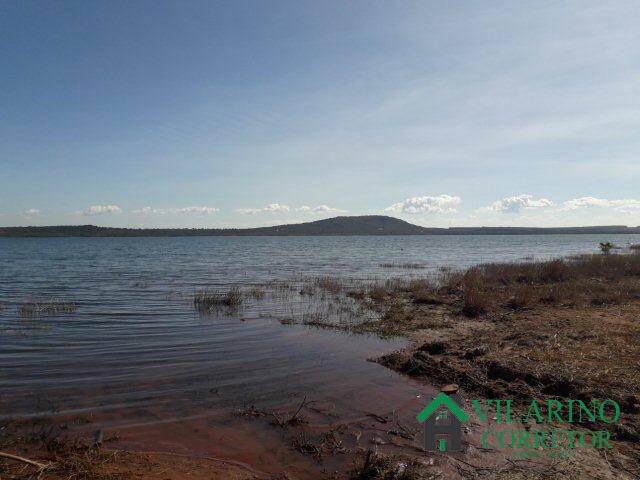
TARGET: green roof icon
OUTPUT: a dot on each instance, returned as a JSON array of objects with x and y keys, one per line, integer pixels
[{"x": 442, "y": 399}]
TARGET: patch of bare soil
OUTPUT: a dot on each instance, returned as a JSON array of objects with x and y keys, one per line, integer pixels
[{"x": 114, "y": 465}]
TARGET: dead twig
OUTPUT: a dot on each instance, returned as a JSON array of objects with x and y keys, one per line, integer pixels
[{"x": 10, "y": 456}]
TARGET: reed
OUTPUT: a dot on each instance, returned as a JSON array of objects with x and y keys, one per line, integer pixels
[{"x": 209, "y": 300}]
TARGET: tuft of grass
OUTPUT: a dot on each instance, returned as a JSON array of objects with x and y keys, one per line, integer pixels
[
  {"x": 427, "y": 297},
  {"x": 357, "y": 294},
  {"x": 553, "y": 294},
  {"x": 329, "y": 284},
  {"x": 475, "y": 303},
  {"x": 256, "y": 293},
  {"x": 413, "y": 285},
  {"x": 377, "y": 293},
  {"x": 554, "y": 271},
  {"x": 375, "y": 466},
  {"x": 307, "y": 289},
  {"x": 51, "y": 307},
  {"x": 475, "y": 299},
  {"x": 524, "y": 297},
  {"x": 604, "y": 294},
  {"x": 210, "y": 300}
]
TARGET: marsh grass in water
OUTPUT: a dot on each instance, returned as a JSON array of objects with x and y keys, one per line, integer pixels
[
  {"x": 407, "y": 266},
  {"x": 256, "y": 293},
  {"x": 329, "y": 284},
  {"x": 484, "y": 290},
  {"x": 50, "y": 307},
  {"x": 378, "y": 305},
  {"x": 208, "y": 300}
]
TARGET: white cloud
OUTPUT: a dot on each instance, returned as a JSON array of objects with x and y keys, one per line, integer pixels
[
  {"x": 621, "y": 205},
  {"x": 32, "y": 212},
  {"x": 271, "y": 208},
  {"x": 199, "y": 210},
  {"x": 426, "y": 204},
  {"x": 518, "y": 202},
  {"x": 163, "y": 211},
  {"x": 102, "y": 209},
  {"x": 248, "y": 211},
  {"x": 149, "y": 211},
  {"x": 319, "y": 209},
  {"x": 276, "y": 207}
]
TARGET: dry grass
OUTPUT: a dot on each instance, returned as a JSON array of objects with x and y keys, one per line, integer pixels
[
  {"x": 375, "y": 466},
  {"x": 427, "y": 297},
  {"x": 524, "y": 297},
  {"x": 584, "y": 280},
  {"x": 554, "y": 329}
]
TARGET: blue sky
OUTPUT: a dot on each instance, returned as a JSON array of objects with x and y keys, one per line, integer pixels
[{"x": 203, "y": 113}]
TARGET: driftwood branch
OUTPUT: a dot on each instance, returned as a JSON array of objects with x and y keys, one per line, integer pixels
[{"x": 17, "y": 458}]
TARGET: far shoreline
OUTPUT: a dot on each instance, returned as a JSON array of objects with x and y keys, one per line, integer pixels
[{"x": 368, "y": 225}]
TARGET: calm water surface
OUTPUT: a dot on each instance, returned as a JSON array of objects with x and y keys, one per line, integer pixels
[{"x": 136, "y": 344}]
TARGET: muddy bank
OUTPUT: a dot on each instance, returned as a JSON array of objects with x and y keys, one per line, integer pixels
[{"x": 566, "y": 329}]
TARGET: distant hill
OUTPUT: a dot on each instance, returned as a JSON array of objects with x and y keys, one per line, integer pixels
[{"x": 360, "y": 225}]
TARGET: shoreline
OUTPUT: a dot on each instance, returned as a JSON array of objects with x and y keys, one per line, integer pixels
[{"x": 473, "y": 328}]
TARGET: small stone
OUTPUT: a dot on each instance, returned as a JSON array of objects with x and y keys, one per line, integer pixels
[{"x": 450, "y": 389}]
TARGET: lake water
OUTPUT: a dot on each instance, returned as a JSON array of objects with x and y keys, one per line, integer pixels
[{"x": 136, "y": 353}]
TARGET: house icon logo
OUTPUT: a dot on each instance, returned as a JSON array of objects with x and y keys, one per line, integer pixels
[{"x": 442, "y": 420}]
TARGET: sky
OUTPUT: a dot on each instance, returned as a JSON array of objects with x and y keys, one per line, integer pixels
[{"x": 247, "y": 113}]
